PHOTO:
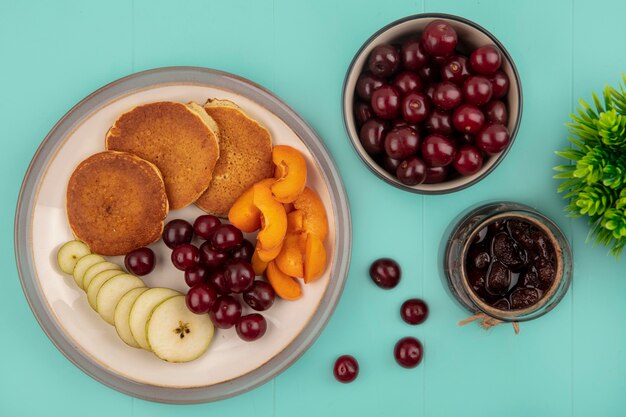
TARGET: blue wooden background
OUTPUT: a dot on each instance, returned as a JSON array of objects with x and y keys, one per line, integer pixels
[{"x": 569, "y": 363}]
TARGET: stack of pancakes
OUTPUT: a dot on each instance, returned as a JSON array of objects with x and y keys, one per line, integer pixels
[{"x": 162, "y": 156}]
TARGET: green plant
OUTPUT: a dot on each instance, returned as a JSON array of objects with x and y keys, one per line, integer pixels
[{"x": 595, "y": 178}]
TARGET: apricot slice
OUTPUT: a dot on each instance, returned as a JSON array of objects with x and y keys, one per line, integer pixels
[
  {"x": 290, "y": 173},
  {"x": 266, "y": 255},
  {"x": 273, "y": 217},
  {"x": 258, "y": 265},
  {"x": 314, "y": 258},
  {"x": 294, "y": 221},
  {"x": 290, "y": 260},
  {"x": 243, "y": 214},
  {"x": 286, "y": 287},
  {"x": 314, "y": 218}
]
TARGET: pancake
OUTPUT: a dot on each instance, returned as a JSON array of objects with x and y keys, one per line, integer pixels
[
  {"x": 245, "y": 157},
  {"x": 116, "y": 202},
  {"x": 181, "y": 140}
]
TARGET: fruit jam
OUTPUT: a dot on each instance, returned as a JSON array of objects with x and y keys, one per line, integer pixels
[{"x": 511, "y": 264}]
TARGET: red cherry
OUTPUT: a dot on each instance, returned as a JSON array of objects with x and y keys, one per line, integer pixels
[
  {"x": 185, "y": 256},
  {"x": 414, "y": 311},
  {"x": 496, "y": 112},
  {"x": 415, "y": 107},
  {"x": 346, "y": 369},
  {"x": 407, "y": 82},
  {"x": 366, "y": 84},
  {"x": 372, "y": 135},
  {"x": 386, "y": 102},
  {"x": 436, "y": 175},
  {"x": 440, "y": 122},
  {"x": 251, "y": 327},
  {"x": 438, "y": 150},
  {"x": 200, "y": 298},
  {"x": 402, "y": 142},
  {"x": 499, "y": 84},
  {"x": 485, "y": 60},
  {"x": 413, "y": 55},
  {"x": 477, "y": 90},
  {"x": 362, "y": 112},
  {"x": 455, "y": 69},
  {"x": 385, "y": 273},
  {"x": 411, "y": 171},
  {"x": 468, "y": 118},
  {"x": 408, "y": 352},
  {"x": 205, "y": 226},
  {"x": 447, "y": 95},
  {"x": 439, "y": 38},
  {"x": 493, "y": 139},
  {"x": 468, "y": 160}
]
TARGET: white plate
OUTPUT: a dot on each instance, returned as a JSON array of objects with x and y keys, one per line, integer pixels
[{"x": 231, "y": 365}]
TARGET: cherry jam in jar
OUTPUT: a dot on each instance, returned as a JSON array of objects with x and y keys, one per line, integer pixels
[{"x": 508, "y": 261}]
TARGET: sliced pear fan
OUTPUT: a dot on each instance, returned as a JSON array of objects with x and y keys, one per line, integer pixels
[
  {"x": 175, "y": 334},
  {"x": 83, "y": 265},
  {"x": 122, "y": 316},
  {"x": 69, "y": 254},
  {"x": 95, "y": 269},
  {"x": 98, "y": 282},
  {"x": 112, "y": 291},
  {"x": 141, "y": 310}
]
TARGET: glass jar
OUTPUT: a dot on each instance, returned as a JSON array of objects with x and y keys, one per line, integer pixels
[{"x": 465, "y": 229}]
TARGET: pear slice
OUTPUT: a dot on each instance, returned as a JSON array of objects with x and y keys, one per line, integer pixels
[
  {"x": 95, "y": 269},
  {"x": 175, "y": 334},
  {"x": 141, "y": 310},
  {"x": 122, "y": 312},
  {"x": 83, "y": 265},
  {"x": 70, "y": 253},
  {"x": 112, "y": 291},
  {"x": 97, "y": 282}
]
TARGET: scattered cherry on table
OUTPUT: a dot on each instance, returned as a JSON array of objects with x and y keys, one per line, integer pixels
[
  {"x": 414, "y": 311},
  {"x": 408, "y": 352},
  {"x": 346, "y": 369},
  {"x": 385, "y": 272}
]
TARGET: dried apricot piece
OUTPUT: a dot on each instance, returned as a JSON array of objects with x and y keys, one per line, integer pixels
[
  {"x": 258, "y": 265},
  {"x": 290, "y": 260},
  {"x": 314, "y": 258},
  {"x": 267, "y": 255},
  {"x": 295, "y": 220},
  {"x": 285, "y": 286},
  {"x": 273, "y": 217},
  {"x": 290, "y": 172},
  {"x": 314, "y": 218},
  {"x": 243, "y": 214}
]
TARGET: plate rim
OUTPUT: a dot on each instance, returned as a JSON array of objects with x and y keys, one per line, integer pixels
[{"x": 154, "y": 78}]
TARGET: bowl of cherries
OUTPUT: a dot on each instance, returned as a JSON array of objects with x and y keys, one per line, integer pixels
[{"x": 432, "y": 103}]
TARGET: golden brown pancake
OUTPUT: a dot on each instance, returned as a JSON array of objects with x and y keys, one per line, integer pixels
[
  {"x": 181, "y": 140},
  {"x": 116, "y": 202},
  {"x": 245, "y": 157}
]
